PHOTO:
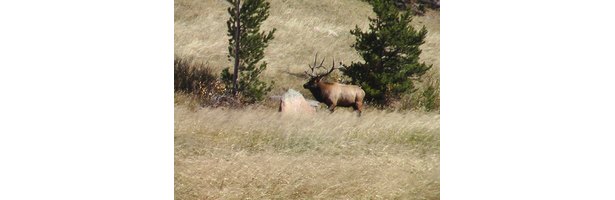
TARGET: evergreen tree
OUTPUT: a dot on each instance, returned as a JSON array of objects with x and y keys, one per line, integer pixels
[
  {"x": 390, "y": 49},
  {"x": 247, "y": 49}
]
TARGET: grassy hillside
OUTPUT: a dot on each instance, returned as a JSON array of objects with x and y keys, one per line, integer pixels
[
  {"x": 304, "y": 27},
  {"x": 257, "y": 153}
]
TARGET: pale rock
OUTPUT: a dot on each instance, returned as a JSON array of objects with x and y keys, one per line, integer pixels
[{"x": 293, "y": 102}]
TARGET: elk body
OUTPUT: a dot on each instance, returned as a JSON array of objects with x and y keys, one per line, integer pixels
[{"x": 334, "y": 94}]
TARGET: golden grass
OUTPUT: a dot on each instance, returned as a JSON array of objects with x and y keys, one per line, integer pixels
[
  {"x": 304, "y": 27},
  {"x": 259, "y": 153}
]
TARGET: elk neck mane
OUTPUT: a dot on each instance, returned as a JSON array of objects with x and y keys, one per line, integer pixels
[
  {"x": 329, "y": 82},
  {"x": 332, "y": 83},
  {"x": 318, "y": 92}
]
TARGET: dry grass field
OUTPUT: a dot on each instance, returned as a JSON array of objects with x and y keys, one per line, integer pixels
[
  {"x": 304, "y": 27},
  {"x": 262, "y": 154},
  {"x": 257, "y": 153}
]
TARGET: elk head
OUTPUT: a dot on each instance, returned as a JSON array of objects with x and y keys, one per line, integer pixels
[{"x": 315, "y": 78}]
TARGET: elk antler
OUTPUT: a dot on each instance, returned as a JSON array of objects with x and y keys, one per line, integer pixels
[
  {"x": 314, "y": 66},
  {"x": 331, "y": 70},
  {"x": 311, "y": 68}
]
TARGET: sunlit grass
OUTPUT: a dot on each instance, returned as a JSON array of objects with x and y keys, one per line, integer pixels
[
  {"x": 304, "y": 27},
  {"x": 252, "y": 153},
  {"x": 257, "y": 153}
]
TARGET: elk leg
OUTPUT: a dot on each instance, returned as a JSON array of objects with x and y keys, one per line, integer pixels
[
  {"x": 358, "y": 106},
  {"x": 332, "y": 107},
  {"x": 331, "y": 104}
]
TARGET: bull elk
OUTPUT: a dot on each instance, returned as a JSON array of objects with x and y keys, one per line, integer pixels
[{"x": 332, "y": 93}]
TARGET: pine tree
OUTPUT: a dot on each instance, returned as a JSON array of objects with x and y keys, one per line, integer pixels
[
  {"x": 390, "y": 49},
  {"x": 247, "y": 49}
]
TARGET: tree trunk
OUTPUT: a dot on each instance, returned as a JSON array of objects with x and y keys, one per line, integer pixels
[{"x": 236, "y": 69}]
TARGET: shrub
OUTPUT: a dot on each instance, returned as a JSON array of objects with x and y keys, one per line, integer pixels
[
  {"x": 390, "y": 49},
  {"x": 426, "y": 97},
  {"x": 198, "y": 80},
  {"x": 431, "y": 96},
  {"x": 417, "y": 7}
]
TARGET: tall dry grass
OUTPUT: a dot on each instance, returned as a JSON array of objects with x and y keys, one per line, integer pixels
[{"x": 262, "y": 154}]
